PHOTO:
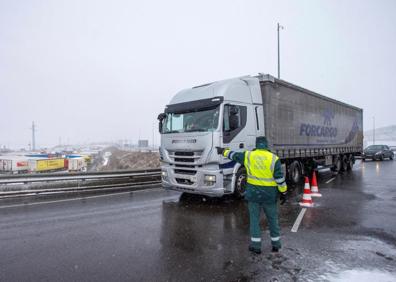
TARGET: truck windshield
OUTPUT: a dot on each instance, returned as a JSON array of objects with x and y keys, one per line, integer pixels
[{"x": 200, "y": 120}]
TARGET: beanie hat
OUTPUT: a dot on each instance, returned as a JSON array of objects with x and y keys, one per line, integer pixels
[{"x": 261, "y": 142}]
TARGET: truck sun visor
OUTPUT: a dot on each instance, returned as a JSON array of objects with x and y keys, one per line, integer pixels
[{"x": 194, "y": 105}]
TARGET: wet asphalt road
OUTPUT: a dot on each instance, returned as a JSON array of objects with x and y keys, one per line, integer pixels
[{"x": 155, "y": 235}]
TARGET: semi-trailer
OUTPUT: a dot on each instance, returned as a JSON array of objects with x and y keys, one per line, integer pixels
[
  {"x": 87, "y": 157},
  {"x": 46, "y": 165},
  {"x": 76, "y": 164},
  {"x": 305, "y": 129},
  {"x": 13, "y": 165}
]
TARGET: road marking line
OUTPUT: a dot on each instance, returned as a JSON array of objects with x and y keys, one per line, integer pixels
[
  {"x": 328, "y": 181},
  {"x": 69, "y": 200},
  {"x": 298, "y": 220}
]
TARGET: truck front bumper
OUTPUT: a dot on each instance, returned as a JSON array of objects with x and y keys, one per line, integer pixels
[{"x": 194, "y": 184}]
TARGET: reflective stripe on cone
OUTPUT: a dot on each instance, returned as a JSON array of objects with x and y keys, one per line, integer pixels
[
  {"x": 306, "y": 199},
  {"x": 314, "y": 187}
]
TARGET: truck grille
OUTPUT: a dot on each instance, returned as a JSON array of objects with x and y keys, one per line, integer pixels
[
  {"x": 183, "y": 171},
  {"x": 184, "y": 154},
  {"x": 184, "y": 181},
  {"x": 183, "y": 157},
  {"x": 186, "y": 163}
]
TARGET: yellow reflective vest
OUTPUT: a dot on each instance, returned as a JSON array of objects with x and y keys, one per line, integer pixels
[{"x": 260, "y": 165}]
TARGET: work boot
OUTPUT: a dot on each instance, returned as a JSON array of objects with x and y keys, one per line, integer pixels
[
  {"x": 254, "y": 250},
  {"x": 275, "y": 249}
]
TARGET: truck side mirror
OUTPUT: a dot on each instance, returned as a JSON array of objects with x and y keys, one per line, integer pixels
[
  {"x": 233, "y": 122},
  {"x": 160, "y": 118},
  {"x": 234, "y": 110}
]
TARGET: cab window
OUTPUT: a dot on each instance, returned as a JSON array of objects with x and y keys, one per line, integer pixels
[{"x": 234, "y": 120}]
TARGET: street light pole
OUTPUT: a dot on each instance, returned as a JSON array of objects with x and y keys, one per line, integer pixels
[
  {"x": 33, "y": 136},
  {"x": 279, "y": 27},
  {"x": 373, "y": 130}
]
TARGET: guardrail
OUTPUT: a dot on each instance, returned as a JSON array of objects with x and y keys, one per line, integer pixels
[
  {"x": 28, "y": 178},
  {"x": 28, "y": 184}
]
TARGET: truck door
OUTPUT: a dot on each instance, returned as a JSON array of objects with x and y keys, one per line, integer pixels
[{"x": 237, "y": 132}]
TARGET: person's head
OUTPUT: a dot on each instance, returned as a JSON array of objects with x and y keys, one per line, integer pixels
[{"x": 261, "y": 142}]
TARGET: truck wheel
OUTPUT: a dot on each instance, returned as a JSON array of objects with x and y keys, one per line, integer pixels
[
  {"x": 344, "y": 163},
  {"x": 240, "y": 183},
  {"x": 391, "y": 157},
  {"x": 295, "y": 173},
  {"x": 337, "y": 164},
  {"x": 381, "y": 158},
  {"x": 351, "y": 162}
]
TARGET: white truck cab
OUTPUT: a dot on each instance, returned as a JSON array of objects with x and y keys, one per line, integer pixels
[{"x": 226, "y": 113}]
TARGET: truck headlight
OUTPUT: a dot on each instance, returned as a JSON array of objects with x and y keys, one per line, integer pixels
[
  {"x": 209, "y": 180},
  {"x": 164, "y": 174}
]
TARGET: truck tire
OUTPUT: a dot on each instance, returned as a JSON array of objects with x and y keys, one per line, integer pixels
[
  {"x": 294, "y": 173},
  {"x": 344, "y": 162},
  {"x": 337, "y": 164},
  {"x": 240, "y": 183},
  {"x": 351, "y": 162}
]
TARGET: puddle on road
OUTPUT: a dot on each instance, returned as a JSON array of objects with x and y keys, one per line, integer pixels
[{"x": 359, "y": 275}]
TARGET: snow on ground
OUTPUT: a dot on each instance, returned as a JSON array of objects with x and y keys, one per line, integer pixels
[
  {"x": 352, "y": 265},
  {"x": 363, "y": 275},
  {"x": 106, "y": 157}
]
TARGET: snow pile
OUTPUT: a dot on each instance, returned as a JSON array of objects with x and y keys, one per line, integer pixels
[
  {"x": 106, "y": 157},
  {"x": 361, "y": 275},
  {"x": 116, "y": 159}
]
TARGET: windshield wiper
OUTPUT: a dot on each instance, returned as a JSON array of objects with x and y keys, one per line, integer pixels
[{"x": 172, "y": 131}]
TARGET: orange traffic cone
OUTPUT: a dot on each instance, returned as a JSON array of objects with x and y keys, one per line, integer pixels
[
  {"x": 314, "y": 187},
  {"x": 306, "y": 199}
]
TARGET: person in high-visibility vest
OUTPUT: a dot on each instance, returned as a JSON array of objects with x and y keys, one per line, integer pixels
[{"x": 265, "y": 182}]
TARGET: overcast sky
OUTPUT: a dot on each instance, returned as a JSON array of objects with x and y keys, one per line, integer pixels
[{"x": 102, "y": 70}]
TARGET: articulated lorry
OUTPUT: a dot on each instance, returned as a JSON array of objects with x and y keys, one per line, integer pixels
[
  {"x": 305, "y": 129},
  {"x": 13, "y": 165}
]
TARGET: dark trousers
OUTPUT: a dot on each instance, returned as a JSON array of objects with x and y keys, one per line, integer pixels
[{"x": 271, "y": 212}]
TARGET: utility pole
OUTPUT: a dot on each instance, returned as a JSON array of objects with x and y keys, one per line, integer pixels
[
  {"x": 279, "y": 27},
  {"x": 152, "y": 145},
  {"x": 33, "y": 136},
  {"x": 373, "y": 130}
]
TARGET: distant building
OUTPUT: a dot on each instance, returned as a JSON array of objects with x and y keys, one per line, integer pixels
[
  {"x": 143, "y": 143},
  {"x": 4, "y": 149}
]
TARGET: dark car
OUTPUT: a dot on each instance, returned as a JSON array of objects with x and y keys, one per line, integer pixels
[{"x": 377, "y": 152}]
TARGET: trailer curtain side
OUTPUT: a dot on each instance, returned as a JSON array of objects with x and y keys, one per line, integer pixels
[{"x": 301, "y": 123}]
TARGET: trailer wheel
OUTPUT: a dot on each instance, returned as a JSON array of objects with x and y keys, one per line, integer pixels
[
  {"x": 351, "y": 162},
  {"x": 240, "y": 183},
  {"x": 344, "y": 163},
  {"x": 294, "y": 173},
  {"x": 336, "y": 164}
]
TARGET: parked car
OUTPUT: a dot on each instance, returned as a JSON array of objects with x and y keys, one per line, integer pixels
[{"x": 377, "y": 152}]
